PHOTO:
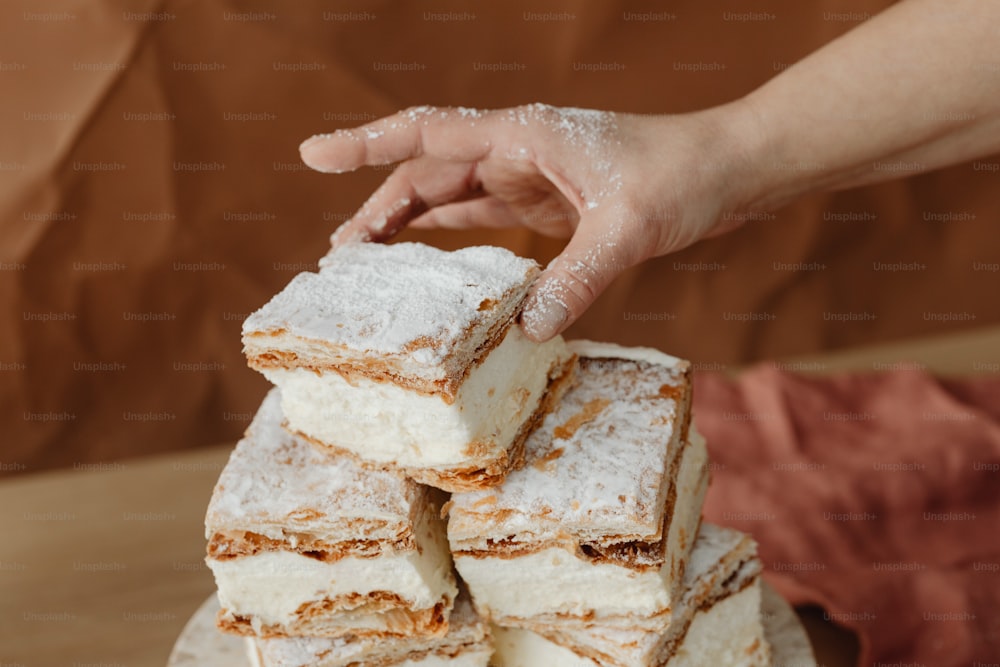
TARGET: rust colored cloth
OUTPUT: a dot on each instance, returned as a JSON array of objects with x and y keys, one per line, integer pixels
[
  {"x": 151, "y": 193},
  {"x": 876, "y": 496}
]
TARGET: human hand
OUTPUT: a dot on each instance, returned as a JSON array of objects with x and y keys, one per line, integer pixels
[{"x": 623, "y": 188}]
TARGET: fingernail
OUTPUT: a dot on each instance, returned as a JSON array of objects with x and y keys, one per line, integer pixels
[
  {"x": 546, "y": 314},
  {"x": 315, "y": 139}
]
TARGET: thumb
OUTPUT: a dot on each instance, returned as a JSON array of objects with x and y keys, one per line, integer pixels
[{"x": 594, "y": 256}]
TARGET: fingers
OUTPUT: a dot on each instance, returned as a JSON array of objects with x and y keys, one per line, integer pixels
[
  {"x": 486, "y": 212},
  {"x": 415, "y": 187},
  {"x": 464, "y": 135},
  {"x": 596, "y": 254},
  {"x": 438, "y": 186}
]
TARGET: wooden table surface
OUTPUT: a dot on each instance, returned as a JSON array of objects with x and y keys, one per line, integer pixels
[{"x": 104, "y": 567}]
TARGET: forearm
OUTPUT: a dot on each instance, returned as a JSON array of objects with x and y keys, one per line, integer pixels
[
  {"x": 963, "y": 144},
  {"x": 913, "y": 89}
]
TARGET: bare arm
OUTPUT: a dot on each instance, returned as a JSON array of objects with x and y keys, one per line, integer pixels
[{"x": 913, "y": 89}]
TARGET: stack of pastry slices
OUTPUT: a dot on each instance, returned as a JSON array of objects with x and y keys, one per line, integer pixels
[{"x": 426, "y": 486}]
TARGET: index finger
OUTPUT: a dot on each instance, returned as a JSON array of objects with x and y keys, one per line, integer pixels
[{"x": 461, "y": 134}]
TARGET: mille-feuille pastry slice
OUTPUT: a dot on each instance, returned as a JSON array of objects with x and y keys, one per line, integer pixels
[
  {"x": 602, "y": 517},
  {"x": 468, "y": 643},
  {"x": 717, "y": 621},
  {"x": 302, "y": 543},
  {"x": 408, "y": 356}
]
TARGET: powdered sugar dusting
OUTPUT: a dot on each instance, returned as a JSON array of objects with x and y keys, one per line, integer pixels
[
  {"x": 345, "y": 233},
  {"x": 588, "y": 130},
  {"x": 274, "y": 479},
  {"x": 418, "y": 113},
  {"x": 589, "y": 133},
  {"x": 548, "y": 309},
  {"x": 381, "y": 222},
  {"x": 521, "y": 115},
  {"x": 615, "y": 436},
  {"x": 316, "y": 138},
  {"x": 404, "y": 299}
]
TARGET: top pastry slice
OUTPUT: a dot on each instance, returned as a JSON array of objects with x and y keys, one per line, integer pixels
[{"x": 405, "y": 313}]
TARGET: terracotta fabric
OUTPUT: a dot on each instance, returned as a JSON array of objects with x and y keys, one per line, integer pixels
[
  {"x": 151, "y": 193},
  {"x": 876, "y": 496}
]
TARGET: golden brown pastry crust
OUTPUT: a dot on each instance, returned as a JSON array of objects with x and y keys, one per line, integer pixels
[
  {"x": 227, "y": 545},
  {"x": 400, "y": 619}
]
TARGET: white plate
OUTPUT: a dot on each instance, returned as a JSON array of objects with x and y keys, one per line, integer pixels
[{"x": 202, "y": 645}]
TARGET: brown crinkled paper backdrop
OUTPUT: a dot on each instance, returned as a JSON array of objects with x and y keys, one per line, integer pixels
[{"x": 151, "y": 194}]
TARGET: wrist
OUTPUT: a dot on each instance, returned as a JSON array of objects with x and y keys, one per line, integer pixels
[
  {"x": 717, "y": 160},
  {"x": 744, "y": 142},
  {"x": 696, "y": 175}
]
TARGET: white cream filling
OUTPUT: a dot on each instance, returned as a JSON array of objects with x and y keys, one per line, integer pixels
[
  {"x": 553, "y": 580},
  {"x": 269, "y": 587},
  {"x": 383, "y": 422},
  {"x": 725, "y": 633},
  {"x": 523, "y": 648}
]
